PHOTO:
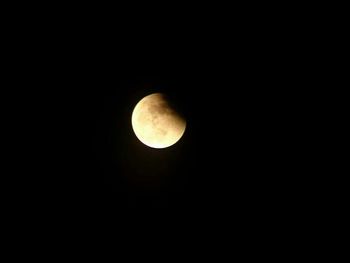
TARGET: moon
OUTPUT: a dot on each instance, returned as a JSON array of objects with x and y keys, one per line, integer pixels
[{"x": 156, "y": 123}]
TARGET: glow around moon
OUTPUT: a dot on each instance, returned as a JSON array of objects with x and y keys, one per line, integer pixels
[{"x": 156, "y": 123}]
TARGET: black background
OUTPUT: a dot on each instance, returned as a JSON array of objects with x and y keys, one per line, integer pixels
[
  {"x": 235, "y": 83},
  {"x": 242, "y": 178},
  {"x": 230, "y": 155}
]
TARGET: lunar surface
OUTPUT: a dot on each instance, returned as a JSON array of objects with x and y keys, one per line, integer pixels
[{"x": 156, "y": 123}]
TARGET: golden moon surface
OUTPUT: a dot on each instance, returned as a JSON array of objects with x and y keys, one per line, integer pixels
[{"x": 156, "y": 123}]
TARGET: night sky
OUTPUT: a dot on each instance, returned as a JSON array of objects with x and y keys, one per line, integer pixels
[
  {"x": 232, "y": 91},
  {"x": 228, "y": 157},
  {"x": 242, "y": 174}
]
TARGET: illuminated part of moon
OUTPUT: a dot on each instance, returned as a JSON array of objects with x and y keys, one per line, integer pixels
[{"x": 156, "y": 123}]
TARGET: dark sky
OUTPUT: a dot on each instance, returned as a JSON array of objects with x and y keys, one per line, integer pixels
[
  {"x": 226, "y": 159},
  {"x": 242, "y": 171},
  {"x": 232, "y": 87}
]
